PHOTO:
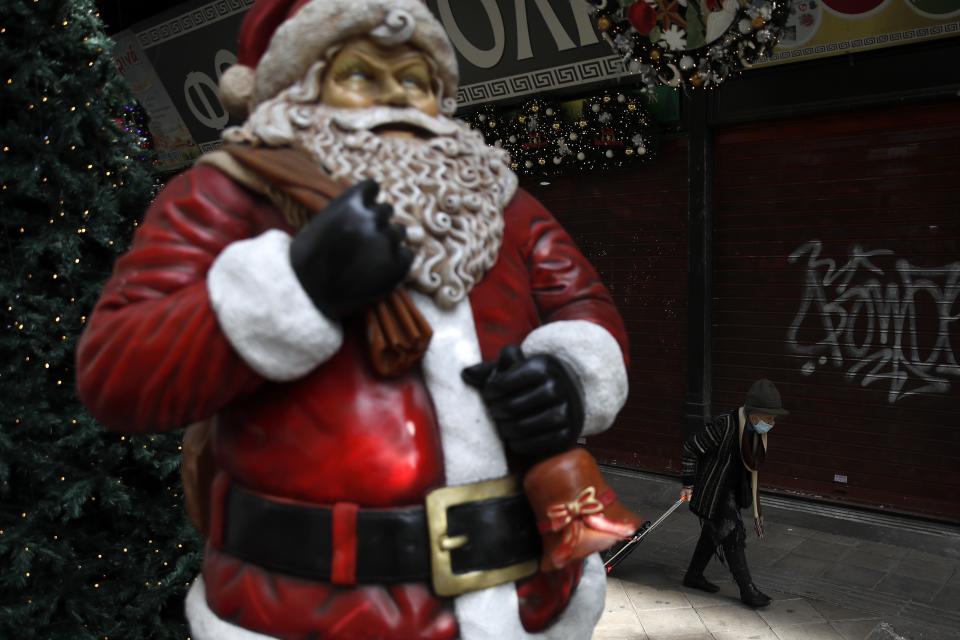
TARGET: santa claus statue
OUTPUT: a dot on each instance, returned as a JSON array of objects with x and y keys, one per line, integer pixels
[{"x": 393, "y": 350}]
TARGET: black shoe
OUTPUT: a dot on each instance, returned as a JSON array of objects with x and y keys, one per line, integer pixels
[
  {"x": 699, "y": 582},
  {"x": 737, "y": 561},
  {"x": 701, "y": 556},
  {"x": 753, "y": 597}
]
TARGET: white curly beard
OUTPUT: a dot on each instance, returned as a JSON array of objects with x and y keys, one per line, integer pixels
[{"x": 449, "y": 191}]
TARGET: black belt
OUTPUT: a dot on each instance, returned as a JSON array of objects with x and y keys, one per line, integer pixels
[{"x": 392, "y": 545}]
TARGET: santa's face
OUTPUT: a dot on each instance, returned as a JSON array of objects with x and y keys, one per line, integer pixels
[
  {"x": 364, "y": 74},
  {"x": 371, "y": 112}
]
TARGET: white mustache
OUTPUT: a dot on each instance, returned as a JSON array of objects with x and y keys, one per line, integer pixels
[{"x": 369, "y": 119}]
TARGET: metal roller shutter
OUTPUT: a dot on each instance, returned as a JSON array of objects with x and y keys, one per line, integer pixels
[
  {"x": 632, "y": 225},
  {"x": 837, "y": 275}
]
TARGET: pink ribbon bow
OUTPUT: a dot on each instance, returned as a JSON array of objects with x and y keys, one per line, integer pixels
[
  {"x": 571, "y": 517},
  {"x": 586, "y": 504}
]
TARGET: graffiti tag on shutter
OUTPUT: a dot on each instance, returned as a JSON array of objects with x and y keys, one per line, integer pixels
[{"x": 870, "y": 321}]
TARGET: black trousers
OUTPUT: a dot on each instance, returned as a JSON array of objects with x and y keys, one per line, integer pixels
[
  {"x": 721, "y": 533},
  {"x": 725, "y": 537}
]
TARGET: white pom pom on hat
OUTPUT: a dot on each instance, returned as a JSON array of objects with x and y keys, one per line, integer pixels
[
  {"x": 281, "y": 39},
  {"x": 236, "y": 89}
]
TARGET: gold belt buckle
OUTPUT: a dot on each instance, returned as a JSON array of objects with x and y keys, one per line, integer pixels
[{"x": 438, "y": 501}]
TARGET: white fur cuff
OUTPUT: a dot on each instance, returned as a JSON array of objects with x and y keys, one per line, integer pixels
[
  {"x": 265, "y": 313},
  {"x": 204, "y": 623},
  {"x": 595, "y": 357}
]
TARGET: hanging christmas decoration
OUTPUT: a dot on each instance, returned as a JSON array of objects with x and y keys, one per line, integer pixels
[
  {"x": 489, "y": 121},
  {"x": 617, "y": 130},
  {"x": 689, "y": 43},
  {"x": 612, "y": 130},
  {"x": 538, "y": 139}
]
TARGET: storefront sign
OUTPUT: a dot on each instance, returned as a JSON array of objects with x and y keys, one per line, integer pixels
[
  {"x": 173, "y": 142},
  {"x": 189, "y": 47},
  {"x": 506, "y": 49},
  {"x": 513, "y": 48},
  {"x": 820, "y": 28}
]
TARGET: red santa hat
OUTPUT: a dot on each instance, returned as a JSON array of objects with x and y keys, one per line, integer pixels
[{"x": 281, "y": 39}]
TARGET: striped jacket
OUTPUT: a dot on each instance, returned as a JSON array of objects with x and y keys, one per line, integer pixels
[{"x": 709, "y": 457}]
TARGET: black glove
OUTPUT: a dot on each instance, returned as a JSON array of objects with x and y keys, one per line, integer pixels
[
  {"x": 535, "y": 402},
  {"x": 349, "y": 255}
]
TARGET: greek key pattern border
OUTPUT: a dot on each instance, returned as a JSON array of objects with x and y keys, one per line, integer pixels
[
  {"x": 196, "y": 19},
  {"x": 885, "y": 39},
  {"x": 522, "y": 84}
]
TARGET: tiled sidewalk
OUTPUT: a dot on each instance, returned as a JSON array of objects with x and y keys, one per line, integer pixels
[
  {"x": 651, "y": 605},
  {"x": 826, "y": 586}
]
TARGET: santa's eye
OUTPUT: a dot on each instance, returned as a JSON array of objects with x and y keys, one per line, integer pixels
[
  {"x": 356, "y": 74},
  {"x": 413, "y": 82},
  {"x": 414, "y": 76}
]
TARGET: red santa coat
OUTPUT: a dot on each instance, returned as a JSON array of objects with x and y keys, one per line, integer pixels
[{"x": 203, "y": 317}]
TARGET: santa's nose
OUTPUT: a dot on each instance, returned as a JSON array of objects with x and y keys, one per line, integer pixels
[{"x": 393, "y": 95}]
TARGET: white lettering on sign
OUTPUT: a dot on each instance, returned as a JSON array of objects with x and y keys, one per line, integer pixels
[
  {"x": 202, "y": 95},
  {"x": 483, "y": 58},
  {"x": 840, "y": 478},
  {"x": 488, "y": 58},
  {"x": 524, "y": 50},
  {"x": 199, "y": 88},
  {"x": 223, "y": 61},
  {"x": 585, "y": 30}
]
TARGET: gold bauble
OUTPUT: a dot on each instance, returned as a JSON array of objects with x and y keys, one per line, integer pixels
[
  {"x": 535, "y": 108},
  {"x": 758, "y": 22},
  {"x": 541, "y": 162},
  {"x": 604, "y": 23},
  {"x": 631, "y": 107}
]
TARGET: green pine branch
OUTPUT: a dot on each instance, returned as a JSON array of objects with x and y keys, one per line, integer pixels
[{"x": 93, "y": 538}]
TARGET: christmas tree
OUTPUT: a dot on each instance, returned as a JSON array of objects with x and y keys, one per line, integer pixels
[{"x": 94, "y": 542}]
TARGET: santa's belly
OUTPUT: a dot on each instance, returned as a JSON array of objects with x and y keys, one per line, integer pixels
[{"x": 339, "y": 434}]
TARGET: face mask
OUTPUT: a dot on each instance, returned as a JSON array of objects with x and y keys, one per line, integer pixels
[{"x": 762, "y": 427}]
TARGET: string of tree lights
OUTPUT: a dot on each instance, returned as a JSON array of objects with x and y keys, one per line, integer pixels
[
  {"x": 134, "y": 120},
  {"x": 606, "y": 130},
  {"x": 691, "y": 44},
  {"x": 93, "y": 538}
]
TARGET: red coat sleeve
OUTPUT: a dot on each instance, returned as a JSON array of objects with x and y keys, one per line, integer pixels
[
  {"x": 152, "y": 356},
  {"x": 565, "y": 285}
]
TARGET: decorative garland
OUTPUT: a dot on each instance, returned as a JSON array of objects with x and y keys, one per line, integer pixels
[
  {"x": 539, "y": 140},
  {"x": 690, "y": 43},
  {"x": 613, "y": 130},
  {"x": 135, "y": 121},
  {"x": 620, "y": 129}
]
